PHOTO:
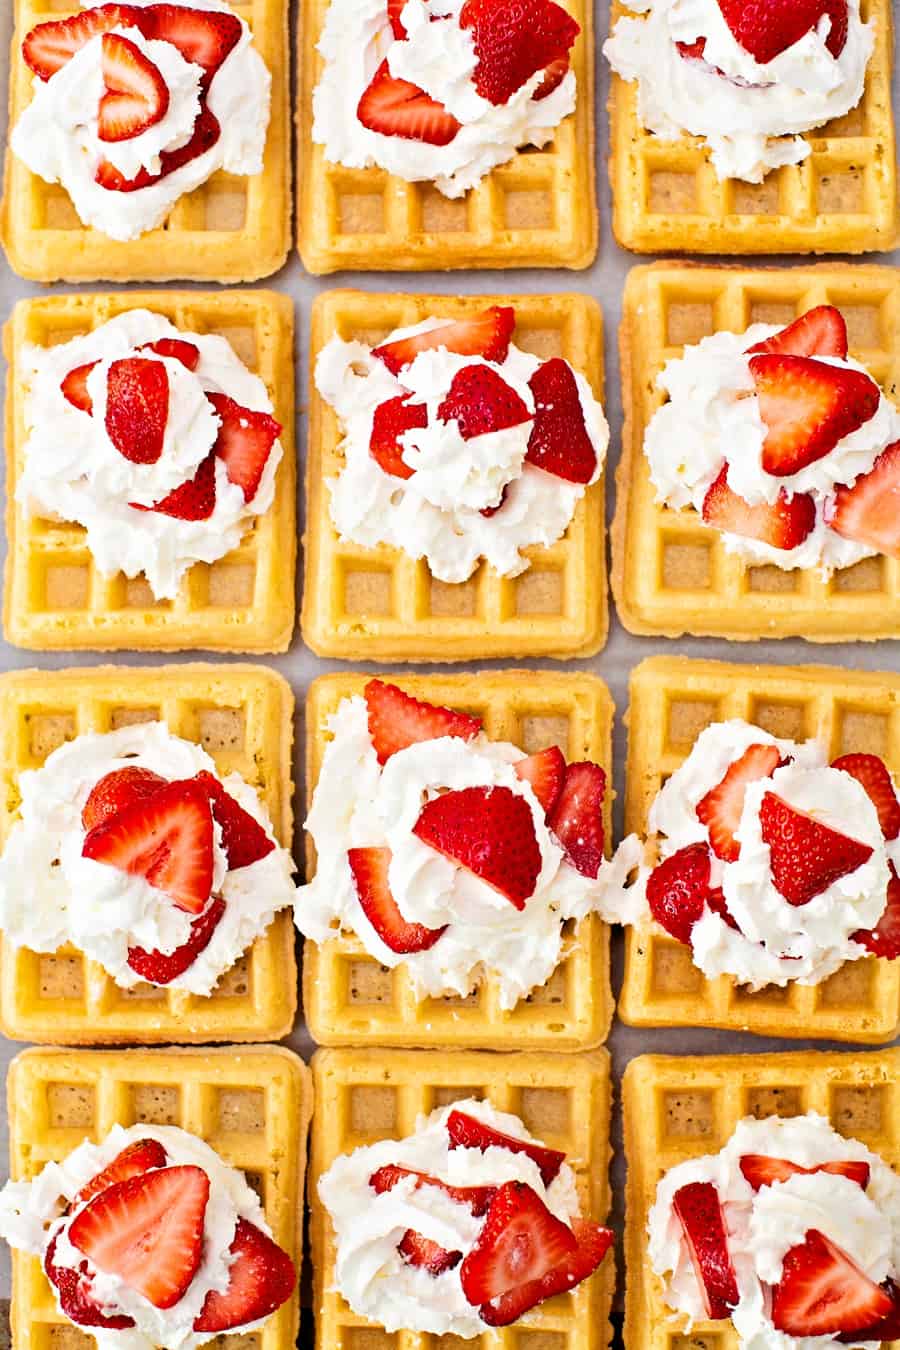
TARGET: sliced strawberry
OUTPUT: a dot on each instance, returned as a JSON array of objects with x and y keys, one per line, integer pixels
[
  {"x": 467, "y": 1131},
  {"x": 520, "y": 1241},
  {"x": 390, "y": 421},
  {"x": 692, "y": 51},
  {"x": 823, "y": 1292},
  {"x": 397, "y": 720},
  {"x": 136, "y": 95},
  {"x": 370, "y": 875},
  {"x": 193, "y": 500},
  {"x": 395, "y": 8},
  {"x": 808, "y": 407},
  {"x": 485, "y": 334},
  {"x": 395, "y": 107},
  {"x": 476, "y": 1198},
  {"x": 679, "y": 889},
  {"x": 884, "y": 939},
  {"x": 74, "y": 386},
  {"x": 554, "y": 74},
  {"x": 716, "y": 902},
  {"x": 767, "y": 28},
  {"x": 480, "y": 401},
  {"x": 819, "y": 332},
  {"x": 244, "y": 442},
  {"x": 806, "y": 856},
  {"x": 489, "y": 511},
  {"x": 784, "y": 523},
  {"x": 417, "y": 1250},
  {"x": 158, "y": 968},
  {"x": 720, "y": 810},
  {"x": 137, "y": 408},
  {"x": 577, "y": 817},
  {"x": 490, "y": 832},
  {"x": 203, "y": 36},
  {"x": 700, "y": 1215},
  {"x": 133, "y": 1161},
  {"x": 74, "y": 1288},
  {"x": 559, "y": 442},
  {"x": 261, "y": 1277},
  {"x": 167, "y": 839},
  {"x": 872, "y": 774},
  {"x": 179, "y": 350},
  {"x": 119, "y": 789},
  {"x": 206, "y": 133},
  {"x": 148, "y": 1231},
  {"x": 243, "y": 838},
  {"x": 546, "y": 772},
  {"x": 50, "y": 46},
  {"x": 760, "y": 1170},
  {"x": 869, "y": 511},
  {"x": 886, "y": 1328},
  {"x": 593, "y": 1244},
  {"x": 513, "y": 40}
]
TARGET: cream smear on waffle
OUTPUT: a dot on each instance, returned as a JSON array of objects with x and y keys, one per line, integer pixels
[
  {"x": 749, "y": 114},
  {"x": 57, "y": 134},
  {"x": 437, "y": 513},
  {"x": 32, "y": 1213},
  {"x": 762, "y": 1226},
  {"x": 358, "y": 803},
  {"x": 713, "y": 409},
  {"x": 72, "y": 471},
  {"x": 104, "y": 911},
  {"x": 370, "y": 1272}
]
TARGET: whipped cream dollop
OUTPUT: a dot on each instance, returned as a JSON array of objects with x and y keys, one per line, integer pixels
[
  {"x": 762, "y": 1226},
  {"x": 57, "y": 134},
  {"x": 33, "y": 1213},
  {"x": 104, "y": 911},
  {"x": 370, "y": 1272},
  {"x": 73, "y": 471},
  {"x": 749, "y": 114},
  {"x": 713, "y": 410},
  {"x": 437, "y": 513}
]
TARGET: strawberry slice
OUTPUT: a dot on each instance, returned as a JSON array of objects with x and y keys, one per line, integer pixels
[
  {"x": 395, "y": 8},
  {"x": 514, "y": 40},
  {"x": 480, "y": 401},
  {"x": 490, "y": 832},
  {"x": 822, "y": 1292},
  {"x": 136, "y": 95},
  {"x": 546, "y": 772},
  {"x": 395, "y": 107},
  {"x": 806, "y": 856},
  {"x": 700, "y": 1215},
  {"x": 808, "y": 407},
  {"x": 819, "y": 332},
  {"x": 74, "y": 1289},
  {"x": 244, "y": 442},
  {"x": 593, "y": 1242},
  {"x": 243, "y": 838},
  {"x": 261, "y": 1277},
  {"x": 417, "y": 1250},
  {"x": 137, "y": 408},
  {"x": 577, "y": 817},
  {"x": 886, "y": 1328},
  {"x": 397, "y": 720},
  {"x": 477, "y": 1199},
  {"x": 74, "y": 386},
  {"x": 193, "y": 500},
  {"x": 767, "y": 29},
  {"x": 716, "y": 902},
  {"x": 559, "y": 443},
  {"x": 167, "y": 839},
  {"x": 148, "y": 1231},
  {"x": 50, "y": 46},
  {"x": 520, "y": 1241},
  {"x": 485, "y": 334},
  {"x": 119, "y": 789},
  {"x": 206, "y": 133},
  {"x": 761, "y": 1171},
  {"x": 158, "y": 968},
  {"x": 869, "y": 511},
  {"x": 679, "y": 889},
  {"x": 370, "y": 875},
  {"x": 390, "y": 421},
  {"x": 872, "y": 774},
  {"x": 489, "y": 511},
  {"x": 133, "y": 1161},
  {"x": 554, "y": 75},
  {"x": 884, "y": 939},
  {"x": 720, "y": 810},
  {"x": 784, "y": 523},
  {"x": 179, "y": 350},
  {"x": 204, "y": 37},
  {"x": 467, "y": 1131}
]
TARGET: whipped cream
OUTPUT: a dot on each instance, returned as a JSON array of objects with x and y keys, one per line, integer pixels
[
  {"x": 57, "y": 134},
  {"x": 72, "y": 470},
  {"x": 104, "y": 911},
  {"x": 763, "y": 1226},
  {"x": 436, "y": 514},
  {"x": 32, "y": 1213},
  {"x": 370, "y": 1272},
  {"x": 748, "y": 114}
]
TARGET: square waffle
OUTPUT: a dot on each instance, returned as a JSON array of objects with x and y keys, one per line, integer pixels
[
  {"x": 366, "y": 1095},
  {"x": 536, "y": 210},
  {"x": 231, "y": 228},
  {"x": 251, "y": 1104},
  {"x": 841, "y": 199},
  {"x": 54, "y": 596},
  {"x": 379, "y": 604},
  {"x": 243, "y": 717},
  {"x": 671, "y": 574},
  {"x": 349, "y": 999},
  {"x": 679, "y": 1108},
  {"x": 672, "y": 700}
]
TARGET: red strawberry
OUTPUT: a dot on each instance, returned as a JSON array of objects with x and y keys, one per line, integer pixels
[
  {"x": 261, "y": 1278},
  {"x": 476, "y": 1198},
  {"x": 390, "y": 421},
  {"x": 513, "y": 40},
  {"x": 823, "y": 1292},
  {"x": 76, "y": 1299},
  {"x": 137, "y": 408},
  {"x": 716, "y": 902},
  {"x": 119, "y": 789},
  {"x": 520, "y": 1241},
  {"x": 884, "y": 939},
  {"x": 869, "y": 511},
  {"x": 784, "y": 523},
  {"x": 693, "y": 51},
  {"x": 395, "y": 107},
  {"x": 136, "y": 95},
  {"x": 768, "y": 27},
  {"x": 370, "y": 875},
  {"x": 546, "y": 773},
  {"x": 168, "y": 840},
  {"x": 74, "y": 386},
  {"x": 808, "y": 407},
  {"x": 488, "y": 831},
  {"x": 193, "y": 500},
  {"x": 489, "y": 511},
  {"x": 819, "y": 332},
  {"x": 559, "y": 442},
  {"x": 49, "y": 46},
  {"x": 480, "y": 401},
  {"x": 395, "y": 9},
  {"x": 206, "y": 133},
  {"x": 886, "y": 1328},
  {"x": 467, "y": 1131},
  {"x": 243, "y": 838},
  {"x": 700, "y": 1214},
  {"x": 554, "y": 74},
  {"x": 593, "y": 1244},
  {"x": 417, "y": 1250},
  {"x": 204, "y": 37},
  {"x": 133, "y": 1161},
  {"x": 148, "y": 1231},
  {"x": 720, "y": 810},
  {"x": 397, "y": 720},
  {"x": 244, "y": 442},
  {"x": 158, "y": 968},
  {"x": 762, "y": 1171},
  {"x": 872, "y": 773},
  {"x": 179, "y": 350},
  {"x": 485, "y": 334},
  {"x": 577, "y": 817},
  {"x": 678, "y": 890},
  {"x": 806, "y": 856}
]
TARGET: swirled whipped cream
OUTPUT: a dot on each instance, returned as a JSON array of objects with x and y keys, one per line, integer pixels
[
  {"x": 748, "y": 113},
  {"x": 105, "y": 911}
]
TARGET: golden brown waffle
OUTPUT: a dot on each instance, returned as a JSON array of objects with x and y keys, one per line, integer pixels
[
  {"x": 678, "y": 1108},
  {"x": 349, "y": 999},
  {"x": 564, "y": 1100},
  {"x": 232, "y": 228},
  {"x": 379, "y": 604},
  {"x": 671, "y": 574},
  {"x": 54, "y": 596},
  {"x": 251, "y": 1104},
  {"x": 242, "y": 717},
  {"x": 537, "y": 210},
  {"x": 841, "y": 199},
  {"x": 672, "y": 700}
]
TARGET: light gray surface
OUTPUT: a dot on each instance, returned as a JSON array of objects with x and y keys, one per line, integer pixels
[{"x": 605, "y": 281}]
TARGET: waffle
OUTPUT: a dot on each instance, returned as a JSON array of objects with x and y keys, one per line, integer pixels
[
  {"x": 252, "y": 1105},
  {"x": 349, "y": 999},
  {"x": 537, "y": 210},
  {"x": 672, "y": 700},
  {"x": 54, "y": 596},
  {"x": 679, "y": 1108},
  {"x": 379, "y": 604},
  {"x": 231, "y": 228},
  {"x": 366, "y": 1095},
  {"x": 671, "y": 574},
  {"x": 242, "y": 716},
  {"x": 841, "y": 199}
]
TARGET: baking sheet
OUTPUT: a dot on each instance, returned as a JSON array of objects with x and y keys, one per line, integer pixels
[{"x": 605, "y": 281}]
